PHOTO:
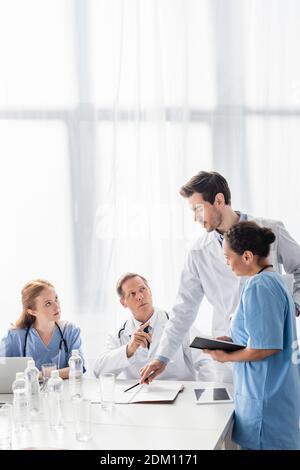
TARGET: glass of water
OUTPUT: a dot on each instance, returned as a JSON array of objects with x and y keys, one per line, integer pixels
[
  {"x": 46, "y": 372},
  {"x": 6, "y": 419},
  {"x": 82, "y": 413},
  {"x": 107, "y": 387}
]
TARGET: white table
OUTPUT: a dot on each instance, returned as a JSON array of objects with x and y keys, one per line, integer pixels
[{"x": 180, "y": 425}]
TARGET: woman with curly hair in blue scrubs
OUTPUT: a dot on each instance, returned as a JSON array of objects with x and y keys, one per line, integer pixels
[{"x": 266, "y": 374}]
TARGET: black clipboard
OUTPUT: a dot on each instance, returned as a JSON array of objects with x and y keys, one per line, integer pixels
[{"x": 210, "y": 343}]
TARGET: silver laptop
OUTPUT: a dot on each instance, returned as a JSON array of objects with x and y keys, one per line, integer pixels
[{"x": 9, "y": 366}]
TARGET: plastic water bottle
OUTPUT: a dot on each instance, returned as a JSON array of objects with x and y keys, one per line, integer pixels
[
  {"x": 54, "y": 400},
  {"x": 20, "y": 403},
  {"x": 75, "y": 374},
  {"x": 33, "y": 387}
]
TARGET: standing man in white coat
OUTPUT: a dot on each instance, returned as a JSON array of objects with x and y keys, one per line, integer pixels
[
  {"x": 136, "y": 341},
  {"x": 206, "y": 272}
]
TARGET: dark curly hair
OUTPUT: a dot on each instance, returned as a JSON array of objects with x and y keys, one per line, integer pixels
[{"x": 250, "y": 236}]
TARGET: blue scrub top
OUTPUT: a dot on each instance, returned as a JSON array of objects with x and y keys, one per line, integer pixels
[
  {"x": 12, "y": 345},
  {"x": 267, "y": 392}
]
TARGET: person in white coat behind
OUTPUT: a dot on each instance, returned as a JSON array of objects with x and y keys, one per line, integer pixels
[
  {"x": 206, "y": 272},
  {"x": 136, "y": 341}
]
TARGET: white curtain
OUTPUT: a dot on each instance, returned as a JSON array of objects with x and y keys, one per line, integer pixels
[
  {"x": 107, "y": 107},
  {"x": 149, "y": 80}
]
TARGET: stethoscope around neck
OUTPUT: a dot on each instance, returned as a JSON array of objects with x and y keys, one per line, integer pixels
[{"x": 62, "y": 343}]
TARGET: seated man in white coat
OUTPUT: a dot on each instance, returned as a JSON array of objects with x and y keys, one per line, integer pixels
[{"x": 136, "y": 341}]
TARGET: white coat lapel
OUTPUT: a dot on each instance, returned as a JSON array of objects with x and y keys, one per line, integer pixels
[
  {"x": 157, "y": 325},
  {"x": 215, "y": 249}
]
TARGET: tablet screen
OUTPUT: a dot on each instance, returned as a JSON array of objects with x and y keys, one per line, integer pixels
[{"x": 212, "y": 395}]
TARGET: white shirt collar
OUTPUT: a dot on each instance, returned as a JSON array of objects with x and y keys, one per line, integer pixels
[
  {"x": 220, "y": 236},
  {"x": 152, "y": 319}
]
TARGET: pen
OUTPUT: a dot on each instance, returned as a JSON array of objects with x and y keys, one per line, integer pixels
[
  {"x": 151, "y": 373},
  {"x": 146, "y": 330},
  {"x": 135, "y": 385}
]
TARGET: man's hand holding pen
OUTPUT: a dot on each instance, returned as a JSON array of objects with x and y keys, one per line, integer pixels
[
  {"x": 139, "y": 338},
  {"x": 151, "y": 370}
]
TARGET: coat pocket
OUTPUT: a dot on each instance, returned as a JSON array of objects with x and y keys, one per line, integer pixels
[{"x": 248, "y": 421}]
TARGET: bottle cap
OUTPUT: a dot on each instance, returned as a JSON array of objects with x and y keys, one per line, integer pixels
[
  {"x": 75, "y": 352},
  {"x": 19, "y": 375},
  {"x": 54, "y": 373},
  {"x": 30, "y": 363}
]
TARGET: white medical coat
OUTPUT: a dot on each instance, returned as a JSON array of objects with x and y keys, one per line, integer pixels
[
  {"x": 187, "y": 363},
  {"x": 206, "y": 273}
]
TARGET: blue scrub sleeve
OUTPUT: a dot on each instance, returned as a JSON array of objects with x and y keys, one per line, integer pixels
[
  {"x": 264, "y": 317},
  {"x": 6, "y": 346}
]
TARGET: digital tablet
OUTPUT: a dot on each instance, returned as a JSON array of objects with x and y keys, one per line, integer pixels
[
  {"x": 209, "y": 343},
  {"x": 212, "y": 395}
]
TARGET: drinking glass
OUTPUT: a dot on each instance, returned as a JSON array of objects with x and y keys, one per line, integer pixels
[
  {"x": 82, "y": 412},
  {"x": 107, "y": 387},
  {"x": 46, "y": 373},
  {"x": 6, "y": 419}
]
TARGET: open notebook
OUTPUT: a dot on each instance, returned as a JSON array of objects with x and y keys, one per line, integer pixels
[{"x": 156, "y": 392}]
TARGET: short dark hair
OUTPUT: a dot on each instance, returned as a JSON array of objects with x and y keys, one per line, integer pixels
[
  {"x": 125, "y": 278},
  {"x": 250, "y": 236},
  {"x": 208, "y": 184}
]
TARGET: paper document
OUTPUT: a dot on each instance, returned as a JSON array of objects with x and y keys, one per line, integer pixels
[{"x": 156, "y": 392}]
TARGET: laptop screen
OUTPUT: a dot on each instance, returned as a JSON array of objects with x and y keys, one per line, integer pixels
[{"x": 9, "y": 366}]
